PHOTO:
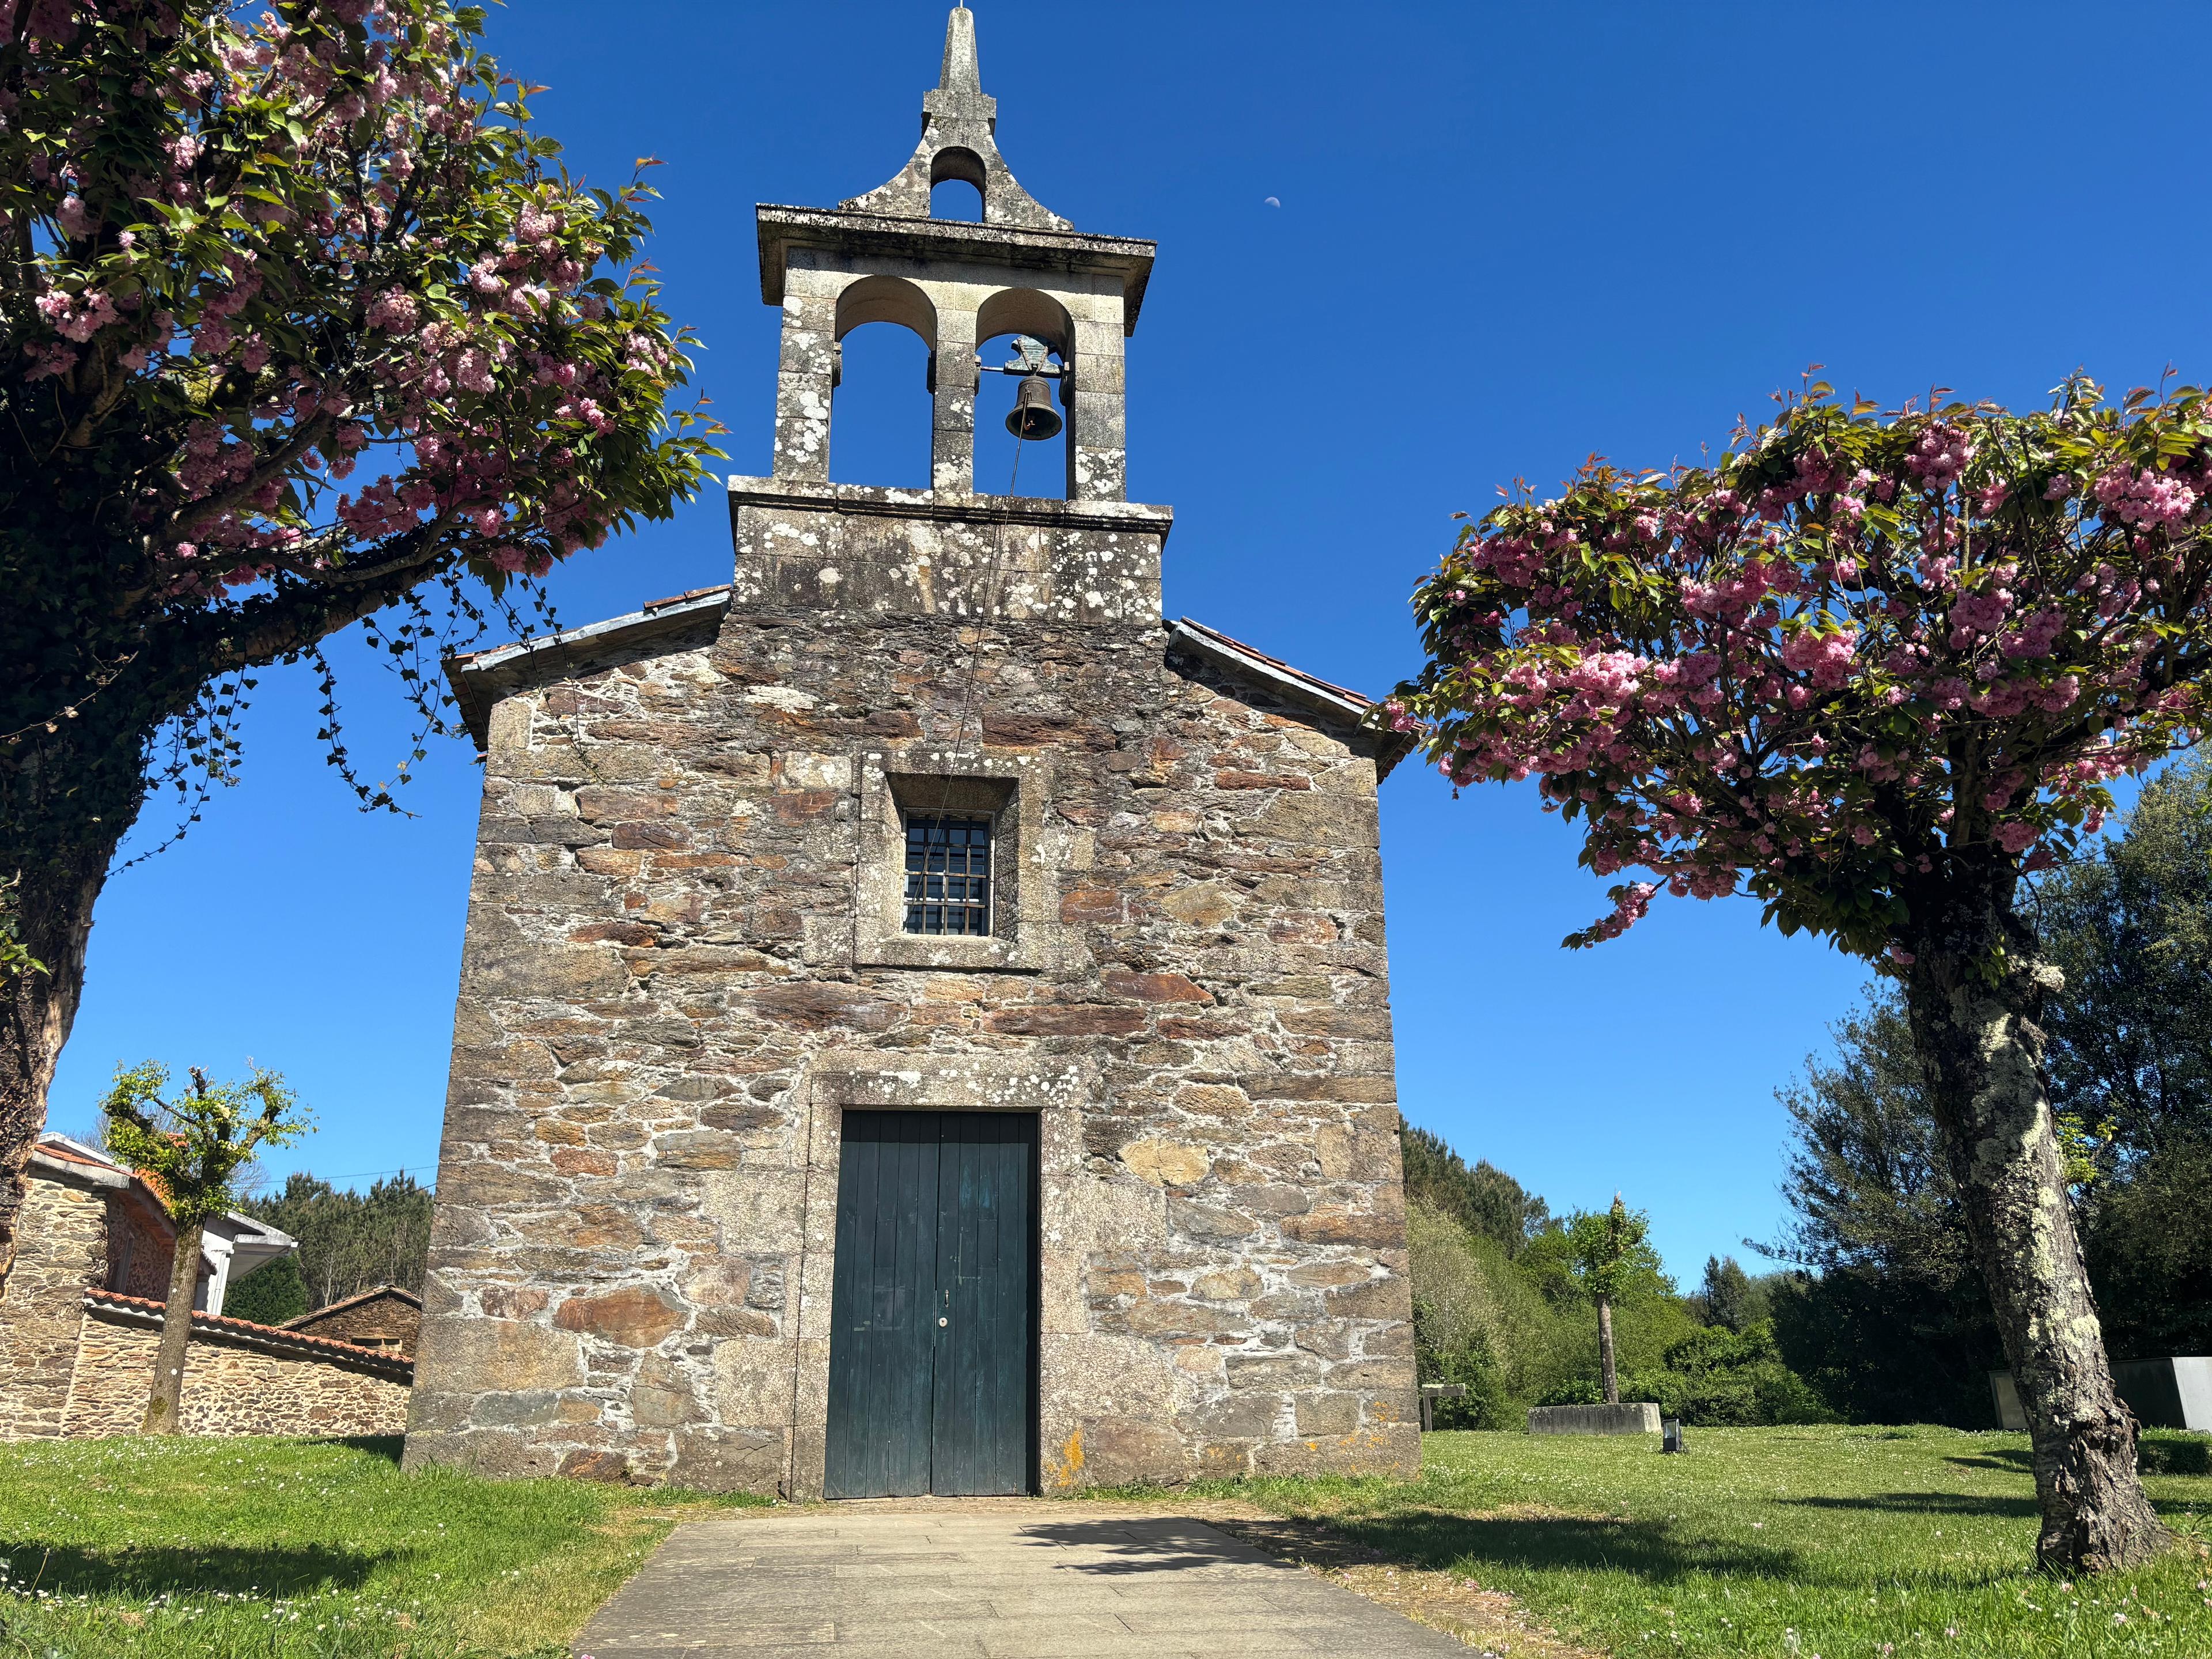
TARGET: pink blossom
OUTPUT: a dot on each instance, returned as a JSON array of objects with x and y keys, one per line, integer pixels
[
  {"x": 394, "y": 309},
  {"x": 472, "y": 370},
  {"x": 2154, "y": 499},
  {"x": 53, "y": 357},
  {"x": 1941, "y": 455},
  {"x": 1825, "y": 658}
]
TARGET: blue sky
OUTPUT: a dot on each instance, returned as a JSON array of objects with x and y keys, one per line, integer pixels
[{"x": 1508, "y": 236}]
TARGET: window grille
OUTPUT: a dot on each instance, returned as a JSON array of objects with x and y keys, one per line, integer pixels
[{"x": 948, "y": 873}]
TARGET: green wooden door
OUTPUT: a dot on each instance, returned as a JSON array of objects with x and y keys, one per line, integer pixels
[{"x": 933, "y": 1321}]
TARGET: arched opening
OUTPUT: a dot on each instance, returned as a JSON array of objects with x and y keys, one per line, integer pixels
[
  {"x": 1045, "y": 464},
  {"x": 881, "y": 416},
  {"x": 956, "y": 185}
]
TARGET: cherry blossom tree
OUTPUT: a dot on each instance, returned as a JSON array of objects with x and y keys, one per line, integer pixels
[
  {"x": 1872, "y": 670},
  {"x": 300, "y": 322}
]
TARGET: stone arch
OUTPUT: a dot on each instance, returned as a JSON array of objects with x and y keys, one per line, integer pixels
[
  {"x": 1026, "y": 310},
  {"x": 957, "y": 165},
  {"x": 882, "y": 406},
  {"x": 886, "y": 299},
  {"x": 1031, "y": 312}
]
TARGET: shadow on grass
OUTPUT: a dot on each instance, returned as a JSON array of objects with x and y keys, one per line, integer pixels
[
  {"x": 2174, "y": 1454},
  {"x": 1433, "y": 1540},
  {"x": 2011, "y": 1462},
  {"x": 1921, "y": 1502},
  {"x": 384, "y": 1446},
  {"x": 143, "y": 1573},
  {"x": 2157, "y": 1453}
]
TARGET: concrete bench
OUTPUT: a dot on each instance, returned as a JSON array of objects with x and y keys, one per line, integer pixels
[{"x": 1641, "y": 1417}]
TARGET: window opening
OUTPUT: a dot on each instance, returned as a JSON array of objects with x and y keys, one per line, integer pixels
[
  {"x": 881, "y": 419},
  {"x": 948, "y": 873},
  {"x": 956, "y": 178},
  {"x": 956, "y": 198},
  {"x": 999, "y": 384}
]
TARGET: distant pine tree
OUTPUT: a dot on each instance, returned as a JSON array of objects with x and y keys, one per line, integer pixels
[
  {"x": 1485, "y": 1199},
  {"x": 1731, "y": 1297},
  {"x": 269, "y": 1295},
  {"x": 352, "y": 1241}
]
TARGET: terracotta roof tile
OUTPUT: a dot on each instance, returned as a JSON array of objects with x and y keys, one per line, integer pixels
[{"x": 223, "y": 1324}]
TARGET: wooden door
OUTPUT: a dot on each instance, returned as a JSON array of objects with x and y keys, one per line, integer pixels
[{"x": 933, "y": 1321}]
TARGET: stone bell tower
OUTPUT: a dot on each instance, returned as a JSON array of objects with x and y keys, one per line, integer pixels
[
  {"x": 924, "y": 1020},
  {"x": 1022, "y": 270}
]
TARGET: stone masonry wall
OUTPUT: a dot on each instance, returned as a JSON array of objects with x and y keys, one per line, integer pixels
[
  {"x": 228, "y": 1389},
  {"x": 61, "y": 1253},
  {"x": 678, "y": 974}
]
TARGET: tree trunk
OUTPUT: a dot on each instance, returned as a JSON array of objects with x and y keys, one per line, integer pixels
[
  {"x": 1975, "y": 993},
  {"x": 1605, "y": 1351},
  {"x": 52, "y": 901},
  {"x": 163, "y": 1408}
]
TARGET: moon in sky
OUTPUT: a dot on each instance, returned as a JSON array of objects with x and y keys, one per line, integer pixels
[{"x": 1275, "y": 201}]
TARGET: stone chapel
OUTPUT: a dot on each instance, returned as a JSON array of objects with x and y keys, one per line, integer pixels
[{"x": 924, "y": 1021}]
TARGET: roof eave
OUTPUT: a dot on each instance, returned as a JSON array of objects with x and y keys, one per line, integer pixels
[
  {"x": 1300, "y": 689},
  {"x": 481, "y": 678}
]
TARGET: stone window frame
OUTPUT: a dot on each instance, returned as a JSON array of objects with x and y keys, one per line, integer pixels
[{"x": 1025, "y": 889}]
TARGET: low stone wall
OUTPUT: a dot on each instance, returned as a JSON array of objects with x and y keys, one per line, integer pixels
[
  {"x": 236, "y": 1381},
  {"x": 1641, "y": 1417},
  {"x": 2163, "y": 1394},
  {"x": 60, "y": 1249}
]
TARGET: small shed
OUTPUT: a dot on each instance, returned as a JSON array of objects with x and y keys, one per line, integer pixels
[{"x": 385, "y": 1318}]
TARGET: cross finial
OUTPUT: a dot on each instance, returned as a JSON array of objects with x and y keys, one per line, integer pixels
[
  {"x": 959, "y": 120},
  {"x": 961, "y": 72}
]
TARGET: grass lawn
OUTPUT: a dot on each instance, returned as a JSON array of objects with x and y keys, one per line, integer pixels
[
  {"x": 270, "y": 1549},
  {"x": 1848, "y": 1543}
]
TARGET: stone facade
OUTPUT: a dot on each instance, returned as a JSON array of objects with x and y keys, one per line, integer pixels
[
  {"x": 141, "y": 1245},
  {"x": 686, "y": 958},
  {"x": 238, "y": 1379},
  {"x": 61, "y": 1252}
]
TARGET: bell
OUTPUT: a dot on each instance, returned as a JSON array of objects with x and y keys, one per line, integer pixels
[{"x": 1033, "y": 415}]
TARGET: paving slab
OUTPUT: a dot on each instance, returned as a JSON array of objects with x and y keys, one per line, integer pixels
[{"x": 1002, "y": 1582}]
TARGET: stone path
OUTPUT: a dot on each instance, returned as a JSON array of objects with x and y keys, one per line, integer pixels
[{"x": 994, "y": 1581}]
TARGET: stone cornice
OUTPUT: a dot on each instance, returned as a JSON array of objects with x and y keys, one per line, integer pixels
[
  {"x": 937, "y": 507},
  {"x": 1008, "y": 246}
]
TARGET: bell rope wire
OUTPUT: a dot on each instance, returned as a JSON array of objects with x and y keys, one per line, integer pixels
[
  {"x": 975, "y": 659},
  {"x": 975, "y": 650}
]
